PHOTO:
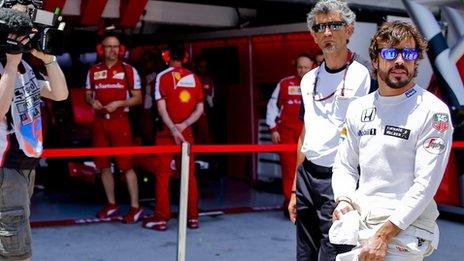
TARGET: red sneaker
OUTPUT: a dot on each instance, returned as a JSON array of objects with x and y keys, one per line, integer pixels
[
  {"x": 152, "y": 223},
  {"x": 108, "y": 211},
  {"x": 134, "y": 216},
  {"x": 193, "y": 223}
]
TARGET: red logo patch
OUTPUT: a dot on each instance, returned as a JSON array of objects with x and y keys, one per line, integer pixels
[{"x": 440, "y": 126}]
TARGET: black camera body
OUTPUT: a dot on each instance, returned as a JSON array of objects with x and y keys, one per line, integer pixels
[{"x": 48, "y": 38}]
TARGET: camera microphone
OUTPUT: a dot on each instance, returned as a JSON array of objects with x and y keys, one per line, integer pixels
[{"x": 12, "y": 21}]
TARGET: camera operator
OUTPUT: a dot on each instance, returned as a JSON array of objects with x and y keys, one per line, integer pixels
[{"x": 21, "y": 138}]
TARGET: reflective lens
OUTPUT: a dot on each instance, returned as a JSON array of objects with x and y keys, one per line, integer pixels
[
  {"x": 333, "y": 26},
  {"x": 409, "y": 54}
]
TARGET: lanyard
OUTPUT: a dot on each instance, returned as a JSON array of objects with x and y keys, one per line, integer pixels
[{"x": 349, "y": 58}]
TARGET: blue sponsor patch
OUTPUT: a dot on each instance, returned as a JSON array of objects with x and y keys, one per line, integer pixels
[
  {"x": 367, "y": 132},
  {"x": 410, "y": 93}
]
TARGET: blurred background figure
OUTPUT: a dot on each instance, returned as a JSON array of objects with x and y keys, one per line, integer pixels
[
  {"x": 145, "y": 117},
  {"x": 282, "y": 117}
]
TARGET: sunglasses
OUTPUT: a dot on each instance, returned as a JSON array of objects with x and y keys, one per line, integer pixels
[
  {"x": 333, "y": 26},
  {"x": 409, "y": 54}
]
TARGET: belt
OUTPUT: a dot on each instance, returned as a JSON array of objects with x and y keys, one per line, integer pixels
[
  {"x": 108, "y": 116},
  {"x": 317, "y": 170}
]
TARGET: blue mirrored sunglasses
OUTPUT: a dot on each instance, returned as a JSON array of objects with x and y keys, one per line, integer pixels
[
  {"x": 333, "y": 26},
  {"x": 409, "y": 54}
]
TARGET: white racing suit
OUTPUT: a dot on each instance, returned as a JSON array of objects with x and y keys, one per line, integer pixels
[{"x": 401, "y": 145}]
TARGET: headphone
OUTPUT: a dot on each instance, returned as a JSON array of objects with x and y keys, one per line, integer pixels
[
  {"x": 100, "y": 49},
  {"x": 167, "y": 57}
]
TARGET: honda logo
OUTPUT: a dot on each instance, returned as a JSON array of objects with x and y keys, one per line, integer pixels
[{"x": 368, "y": 115}]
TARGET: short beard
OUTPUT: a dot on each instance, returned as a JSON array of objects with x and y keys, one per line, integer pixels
[
  {"x": 329, "y": 48},
  {"x": 396, "y": 83}
]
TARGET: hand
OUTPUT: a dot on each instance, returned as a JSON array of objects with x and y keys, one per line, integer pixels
[
  {"x": 13, "y": 59},
  {"x": 178, "y": 137},
  {"x": 16, "y": 44},
  {"x": 112, "y": 106},
  {"x": 181, "y": 126},
  {"x": 374, "y": 249},
  {"x": 46, "y": 58},
  {"x": 292, "y": 208},
  {"x": 275, "y": 137},
  {"x": 342, "y": 208},
  {"x": 96, "y": 105}
]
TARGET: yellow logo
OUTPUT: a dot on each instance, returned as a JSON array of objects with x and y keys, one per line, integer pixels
[
  {"x": 177, "y": 76},
  {"x": 294, "y": 90},
  {"x": 343, "y": 134},
  {"x": 184, "y": 96},
  {"x": 99, "y": 75}
]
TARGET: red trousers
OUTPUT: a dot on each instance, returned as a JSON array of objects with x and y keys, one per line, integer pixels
[
  {"x": 113, "y": 132},
  {"x": 288, "y": 135},
  {"x": 163, "y": 174}
]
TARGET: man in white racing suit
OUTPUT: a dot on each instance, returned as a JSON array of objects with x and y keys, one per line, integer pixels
[{"x": 400, "y": 137}]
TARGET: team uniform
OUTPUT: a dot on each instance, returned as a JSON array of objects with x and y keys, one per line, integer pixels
[
  {"x": 112, "y": 129},
  {"x": 282, "y": 115},
  {"x": 182, "y": 91},
  {"x": 326, "y": 95},
  {"x": 20, "y": 148},
  {"x": 401, "y": 145}
]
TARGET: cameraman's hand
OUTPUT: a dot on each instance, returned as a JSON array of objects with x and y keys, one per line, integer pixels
[
  {"x": 16, "y": 44},
  {"x": 46, "y": 58},
  {"x": 13, "y": 59}
]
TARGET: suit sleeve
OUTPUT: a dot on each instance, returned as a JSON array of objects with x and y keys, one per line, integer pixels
[
  {"x": 160, "y": 87},
  {"x": 136, "y": 79},
  {"x": 345, "y": 169},
  {"x": 88, "y": 82},
  {"x": 432, "y": 151},
  {"x": 273, "y": 111}
]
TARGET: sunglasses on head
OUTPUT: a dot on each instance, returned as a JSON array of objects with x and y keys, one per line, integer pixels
[
  {"x": 333, "y": 26},
  {"x": 409, "y": 54}
]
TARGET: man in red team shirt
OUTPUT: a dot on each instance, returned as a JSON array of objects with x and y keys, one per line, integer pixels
[
  {"x": 112, "y": 87},
  {"x": 282, "y": 117},
  {"x": 179, "y": 96}
]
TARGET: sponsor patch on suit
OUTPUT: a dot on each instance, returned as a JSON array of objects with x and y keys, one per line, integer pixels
[
  {"x": 365, "y": 132},
  {"x": 118, "y": 76},
  {"x": 397, "y": 132},
  {"x": 343, "y": 134},
  {"x": 99, "y": 75},
  {"x": 187, "y": 82},
  {"x": 435, "y": 145},
  {"x": 294, "y": 90},
  {"x": 368, "y": 115},
  {"x": 440, "y": 122},
  {"x": 410, "y": 93}
]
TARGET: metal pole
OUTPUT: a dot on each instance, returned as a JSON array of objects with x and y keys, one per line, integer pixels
[{"x": 184, "y": 180}]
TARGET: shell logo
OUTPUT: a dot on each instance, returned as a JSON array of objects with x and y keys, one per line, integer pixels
[{"x": 184, "y": 96}]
